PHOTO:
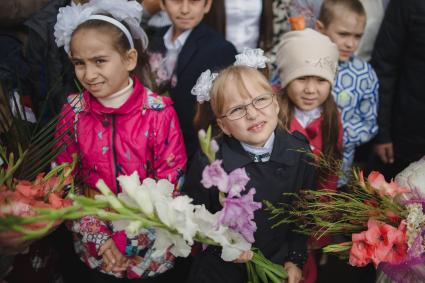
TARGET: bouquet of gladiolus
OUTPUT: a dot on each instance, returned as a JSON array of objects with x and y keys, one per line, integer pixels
[
  {"x": 20, "y": 199},
  {"x": 26, "y": 152},
  {"x": 177, "y": 222},
  {"x": 385, "y": 221}
]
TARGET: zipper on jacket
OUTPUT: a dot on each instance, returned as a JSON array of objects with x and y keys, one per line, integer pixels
[{"x": 114, "y": 154}]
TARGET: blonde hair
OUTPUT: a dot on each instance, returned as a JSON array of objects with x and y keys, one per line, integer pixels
[{"x": 208, "y": 112}]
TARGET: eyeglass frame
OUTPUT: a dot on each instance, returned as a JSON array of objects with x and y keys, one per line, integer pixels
[{"x": 245, "y": 106}]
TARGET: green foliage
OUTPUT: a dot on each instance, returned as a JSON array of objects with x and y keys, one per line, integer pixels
[{"x": 30, "y": 147}]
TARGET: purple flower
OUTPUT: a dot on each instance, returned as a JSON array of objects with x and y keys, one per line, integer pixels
[
  {"x": 238, "y": 214},
  {"x": 214, "y": 175},
  {"x": 237, "y": 182}
]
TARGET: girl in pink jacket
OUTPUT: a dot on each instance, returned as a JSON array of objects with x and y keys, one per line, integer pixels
[{"x": 118, "y": 127}]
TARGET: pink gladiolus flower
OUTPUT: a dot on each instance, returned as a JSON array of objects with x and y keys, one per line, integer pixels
[
  {"x": 237, "y": 182},
  {"x": 238, "y": 213},
  {"x": 377, "y": 235},
  {"x": 378, "y": 183},
  {"x": 361, "y": 252},
  {"x": 214, "y": 175},
  {"x": 398, "y": 251},
  {"x": 389, "y": 243}
]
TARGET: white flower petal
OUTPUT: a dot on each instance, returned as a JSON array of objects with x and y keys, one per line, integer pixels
[
  {"x": 237, "y": 244},
  {"x": 165, "y": 240}
]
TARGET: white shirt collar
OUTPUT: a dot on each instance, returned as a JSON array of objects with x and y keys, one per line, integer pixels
[
  {"x": 178, "y": 43},
  {"x": 267, "y": 148},
  {"x": 117, "y": 99},
  {"x": 306, "y": 117}
]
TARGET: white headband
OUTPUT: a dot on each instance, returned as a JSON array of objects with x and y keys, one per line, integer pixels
[
  {"x": 115, "y": 23},
  {"x": 253, "y": 58}
]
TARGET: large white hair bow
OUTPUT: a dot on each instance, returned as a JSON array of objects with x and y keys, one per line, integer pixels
[
  {"x": 70, "y": 17},
  {"x": 203, "y": 86},
  {"x": 252, "y": 58}
]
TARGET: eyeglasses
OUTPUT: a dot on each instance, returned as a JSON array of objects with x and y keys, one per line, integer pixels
[{"x": 240, "y": 111}]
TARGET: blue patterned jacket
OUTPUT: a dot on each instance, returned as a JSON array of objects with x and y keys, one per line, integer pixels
[{"x": 356, "y": 93}]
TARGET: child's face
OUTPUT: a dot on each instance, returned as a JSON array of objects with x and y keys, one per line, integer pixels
[
  {"x": 308, "y": 93},
  {"x": 258, "y": 124},
  {"x": 345, "y": 30},
  {"x": 185, "y": 14},
  {"x": 99, "y": 67}
]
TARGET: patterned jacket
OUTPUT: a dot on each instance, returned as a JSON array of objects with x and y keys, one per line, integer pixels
[
  {"x": 356, "y": 93},
  {"x": 142, "y": 135}
]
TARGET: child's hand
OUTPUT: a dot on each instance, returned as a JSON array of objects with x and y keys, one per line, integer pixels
[
  {"x": 244, "y": 257},
  {"x": 112, "y": 257},
  {"x": 294, "y": 273}
]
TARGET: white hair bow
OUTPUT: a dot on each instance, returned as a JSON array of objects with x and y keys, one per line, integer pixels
[
  {"x": 252, "y": 58},
  {"x": 203, "y": 86},
  {"x": 70, "y": 17}
]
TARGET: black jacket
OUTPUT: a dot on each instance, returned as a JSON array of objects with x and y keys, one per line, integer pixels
[
  {"x": 399, "y": 61},
  {"x": 288, "y": 170},
  {"x": 51, "y": 72},
  {"x": 204, "y": 49}
]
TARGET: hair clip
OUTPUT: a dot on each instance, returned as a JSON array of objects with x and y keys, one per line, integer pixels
[
  {"x": 252, "y": 58},
  {"x": 203, "y": 86}
]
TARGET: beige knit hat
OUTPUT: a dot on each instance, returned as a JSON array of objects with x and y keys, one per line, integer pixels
[{"x": 306, "y": 53}]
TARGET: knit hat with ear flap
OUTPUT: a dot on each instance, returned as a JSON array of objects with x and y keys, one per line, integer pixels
[{"x": 306, "y": 53}]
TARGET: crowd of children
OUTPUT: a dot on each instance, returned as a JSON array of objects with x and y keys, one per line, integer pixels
[{"x": 127, "y": 96}]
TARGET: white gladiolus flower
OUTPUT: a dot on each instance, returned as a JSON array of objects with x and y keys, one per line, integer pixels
[
  {"x": 130, "y": 182},
  {"x": 144, "y": 201},
  {"x": 235, "y": 245},
  {"x": 178, "y": 214},
  {"x": 134, "y": 193},
  {"x": 165, "y": 240},
  {"x": 125, "y": 198},
  {"x": 206, "y": 221}
]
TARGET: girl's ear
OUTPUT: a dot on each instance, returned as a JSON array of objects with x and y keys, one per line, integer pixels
[
  {"x": 223, "y": 127},
  {"x": 131, "y": 59},
  {"x": 276, "y": 104},
  {"x": 320, "y": 27}
]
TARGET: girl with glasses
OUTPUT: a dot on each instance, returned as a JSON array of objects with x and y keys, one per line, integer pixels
[{"x": 248, "y": 114}]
